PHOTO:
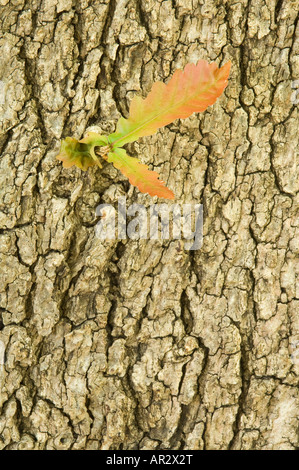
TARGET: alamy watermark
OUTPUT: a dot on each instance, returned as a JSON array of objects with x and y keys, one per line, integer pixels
[{"x": 158, "y": 221}]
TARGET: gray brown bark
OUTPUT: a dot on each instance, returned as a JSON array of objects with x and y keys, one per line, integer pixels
[{"x": 139, "y": 344}]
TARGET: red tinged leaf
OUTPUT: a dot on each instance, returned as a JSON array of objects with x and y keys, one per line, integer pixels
[
  {"x": 139, "y": 175},
  {"x": 190, "y": 90}
]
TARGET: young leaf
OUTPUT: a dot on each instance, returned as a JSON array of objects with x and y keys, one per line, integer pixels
[
  {"x": 139, "y": 175},
  {"x": 81, "y": 153},
  {"x": 190, "y": 90},
  {"x": 94, "y": 139},
  {"x": 72, "y": 152}
]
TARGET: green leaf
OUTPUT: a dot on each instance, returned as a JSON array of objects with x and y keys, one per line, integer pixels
[{"x": 190, "y": 90}]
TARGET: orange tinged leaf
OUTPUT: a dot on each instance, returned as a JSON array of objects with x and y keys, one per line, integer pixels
[
  {"x": 73, "y": 152},
  {"x": 139, "y": 175},
  {"x": 190, "y": 90}
]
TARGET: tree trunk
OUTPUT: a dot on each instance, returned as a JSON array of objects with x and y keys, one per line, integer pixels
[{"x": 142, "y": 344}]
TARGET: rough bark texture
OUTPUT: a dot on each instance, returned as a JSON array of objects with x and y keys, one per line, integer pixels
[{"x": 141, "y": 344}]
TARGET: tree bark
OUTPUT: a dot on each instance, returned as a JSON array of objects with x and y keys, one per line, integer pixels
[{"x": 141, "y": 344}]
